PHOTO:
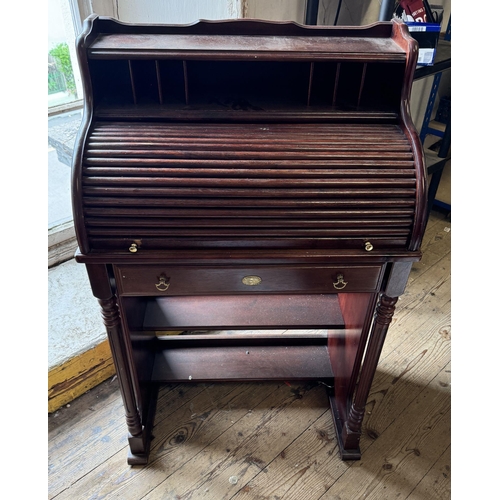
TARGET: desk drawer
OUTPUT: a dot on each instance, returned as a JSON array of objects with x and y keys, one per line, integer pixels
[{"x": 166, "y": 280}]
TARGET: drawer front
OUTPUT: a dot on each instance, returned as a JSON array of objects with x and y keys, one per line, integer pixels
[{"x": 166, "y": 280}]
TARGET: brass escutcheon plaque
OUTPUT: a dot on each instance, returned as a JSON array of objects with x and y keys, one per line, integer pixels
[{"x": 251, "y": 280}]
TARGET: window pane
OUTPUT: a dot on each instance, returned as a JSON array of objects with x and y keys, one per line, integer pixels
[
  {"x": 64, "y": 88},
  {"x": 64, "y": 83}
]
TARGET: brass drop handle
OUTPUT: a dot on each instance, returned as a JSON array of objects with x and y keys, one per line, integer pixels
[
  {"x": 368, "y": 246},
  {"x": 133, "y": 248},
  {"x": 340, "y": 284},
  {"x": 163, "y": 285}
]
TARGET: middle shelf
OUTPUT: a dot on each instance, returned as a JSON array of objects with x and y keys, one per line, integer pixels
[{"x": 242, "y": 311}]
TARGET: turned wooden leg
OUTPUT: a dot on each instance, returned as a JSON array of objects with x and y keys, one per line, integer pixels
[
  {"x": 137, "y": 442},
  {"x": 351, "y": 432},
  {"x": 139, "y": 433},
  {"x": 111, "y": 318}
]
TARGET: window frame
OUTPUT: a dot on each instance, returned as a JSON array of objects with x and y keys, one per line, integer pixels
[{"x": 62, "y": 243}]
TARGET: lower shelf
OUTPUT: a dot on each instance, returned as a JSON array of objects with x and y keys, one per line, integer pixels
[
  {"x": 242, "y": 363},
  {"x": 243, "y": 312}
]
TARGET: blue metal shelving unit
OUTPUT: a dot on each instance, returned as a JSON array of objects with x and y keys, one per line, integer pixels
[{"x": 435, "y": 165}]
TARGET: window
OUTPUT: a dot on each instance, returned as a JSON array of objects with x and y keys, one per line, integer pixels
[{"x": 64, "y": 115}]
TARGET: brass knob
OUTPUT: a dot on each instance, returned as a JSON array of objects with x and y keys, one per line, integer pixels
[
  {"x": 133, "y": 248},
  {"x": 368, "y": 246},
  {"x": 162, "y": 286},
  {"x": 340, "y": 283}
]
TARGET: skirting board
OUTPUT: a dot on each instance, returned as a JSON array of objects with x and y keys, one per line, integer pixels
[{"x": 80, "y": 374}]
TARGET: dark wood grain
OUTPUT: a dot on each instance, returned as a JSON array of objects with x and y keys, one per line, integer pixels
[
  {"x": 214, "y": 312},
  {"x": 216, "y": 177},
  {"x": 141, "y": 280},
  {"x": 346, "y": 347},
  {"x": 190, "y": 46},
  {"x": 243, "y": 363},
  {"x": 247, "y": 174},
  {"x": 351, "y": 430}
]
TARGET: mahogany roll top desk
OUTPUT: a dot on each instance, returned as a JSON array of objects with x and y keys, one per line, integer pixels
[{"x": 247, "y": 175}]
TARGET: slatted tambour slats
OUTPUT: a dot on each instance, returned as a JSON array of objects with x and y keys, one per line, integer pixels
[{"x": 247, "y": 185}]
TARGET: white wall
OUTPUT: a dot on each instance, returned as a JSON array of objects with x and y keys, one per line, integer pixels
[
  {"x": 57, "y": 31},
  {"x": 277, "y": 10},
  {"x": 61, "y": 29},
  {"x": 168, "y": 11}
]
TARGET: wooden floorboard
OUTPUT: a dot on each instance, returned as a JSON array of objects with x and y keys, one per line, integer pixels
[{"x": 274, "y": 440}]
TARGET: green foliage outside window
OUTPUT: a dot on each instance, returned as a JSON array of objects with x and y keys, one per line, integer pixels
[{"x": 60, "y": 53}]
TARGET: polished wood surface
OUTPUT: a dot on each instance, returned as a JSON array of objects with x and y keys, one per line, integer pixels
[
  {"x": 146, "y": 280},
  {"x": 247, "y": 175},
  {"x": 345, "y": 350},
  {"x": 291, "y": 187},
  {"x": 243, "y": 311},
  {"x": 356, "y": 91},
  {"x": 251, "y": 363}
]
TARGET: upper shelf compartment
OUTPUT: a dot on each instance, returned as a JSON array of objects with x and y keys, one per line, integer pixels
[{"x": 236, "y": 70}]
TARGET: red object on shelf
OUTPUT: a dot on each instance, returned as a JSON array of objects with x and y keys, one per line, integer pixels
[{"x": 416, "y": 9}]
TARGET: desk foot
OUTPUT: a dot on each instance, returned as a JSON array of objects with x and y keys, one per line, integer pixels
[
  {"x": 137, "y": 459},
  {"x": 140, "y": 445},
  {"x": 353, "y": 453}
]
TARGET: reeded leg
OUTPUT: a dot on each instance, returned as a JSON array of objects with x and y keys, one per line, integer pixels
[
  {"x": 138, "y": 441},
  {"x": 351, "y": 431}
]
